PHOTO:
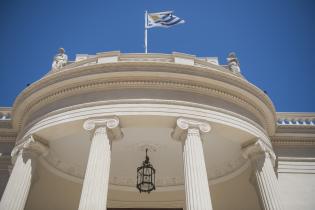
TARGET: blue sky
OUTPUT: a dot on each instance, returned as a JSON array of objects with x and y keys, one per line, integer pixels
[{"x": 274, "y": 39}]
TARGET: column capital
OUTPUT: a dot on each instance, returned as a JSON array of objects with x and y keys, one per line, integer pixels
[
  {"x": 23, "y": 173},
  {"x": 184, "y": 124},
  {"x": 263, "y": 176},
  {"x": 111, "y": 124},
  {"x": 30, "y": 145},
  {"x": 256, "y": 150}
]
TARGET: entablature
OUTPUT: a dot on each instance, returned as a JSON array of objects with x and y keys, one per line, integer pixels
[
  {"x": 294, "y": 129},
  {"x": 174, "y": 72}
]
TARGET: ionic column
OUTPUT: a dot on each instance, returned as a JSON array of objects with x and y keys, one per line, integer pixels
[
  {"x": 22, "y": 175},
  {"x": 95, "y": 185},
  {"x": 263, "y": 175},
  {"x": 196, "y": 180}
]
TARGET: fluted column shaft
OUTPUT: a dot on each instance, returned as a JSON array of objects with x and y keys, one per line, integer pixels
[
  {"x": 95, "y": 185},
  {"x": 197, "y": 191},
  {"x": 19, "y": 184},
  {"x": 264, "y": 177},
  {"x": 196, "y": 179}
]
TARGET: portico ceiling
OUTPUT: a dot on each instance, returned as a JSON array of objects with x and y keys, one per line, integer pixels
[{"x": 69, "y": 148}]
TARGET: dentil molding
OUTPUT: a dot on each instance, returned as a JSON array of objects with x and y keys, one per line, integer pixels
[{"x": 39, "y": 94}]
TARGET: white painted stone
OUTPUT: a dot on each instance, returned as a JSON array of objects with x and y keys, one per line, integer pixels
[
  {"x": 264, "y": 176},
  {"x": 19, "y": 184},
  {"x": 80, "y": 57},
  {"x": 196, "y": 180},
  {"x": 112, "y": 59},
  {"x": 95, "y": 185},
  {"x": 184, "y": 61}
]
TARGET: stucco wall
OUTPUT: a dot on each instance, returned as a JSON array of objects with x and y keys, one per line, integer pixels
[{"x": 296, "y": 175}]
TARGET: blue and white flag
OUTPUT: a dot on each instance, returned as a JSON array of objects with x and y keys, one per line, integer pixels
[{"x": 163, "y": 19}]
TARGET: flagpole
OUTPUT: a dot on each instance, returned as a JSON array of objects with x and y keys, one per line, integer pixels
[{"x": 146, "y": 32}]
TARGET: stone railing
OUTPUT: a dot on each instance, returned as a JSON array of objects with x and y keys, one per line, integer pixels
[
  {"x": 296, "y": 119},
  {"x": 5, "y": 113},
  {"x": 117, "y": 57}
]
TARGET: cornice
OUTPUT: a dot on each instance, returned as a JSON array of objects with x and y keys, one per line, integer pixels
[
  {"x": 85, "y": 86},
  {"x": 295, "y": 129},
  {"x": 293, "y": 140},
  {"x": 106, "y": 85},
  {"x": 6, "y": 125},
  {"x": 215, "y": 72},
  {"x": 7, "y": 138},
  {"x": 200, "y": 75},
  {"x": 293, "y": 115},
  {"x": 145, "y": 107}
]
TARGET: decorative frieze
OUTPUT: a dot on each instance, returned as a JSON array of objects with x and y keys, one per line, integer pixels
[
  {"x": 250, "y": 98},
  {"x": 297, "y": 140},
  {"x": 7, "y": 138}
]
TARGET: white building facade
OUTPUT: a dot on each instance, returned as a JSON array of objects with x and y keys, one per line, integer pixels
[{"x": 74, "y": 139}]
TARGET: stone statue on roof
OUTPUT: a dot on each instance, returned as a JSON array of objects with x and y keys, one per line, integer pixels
[
  {"x": 60, "y": 60},
  {"x": 233, "y": 63}
]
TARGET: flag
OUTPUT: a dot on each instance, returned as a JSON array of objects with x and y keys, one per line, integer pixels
[{"x": 162, "y": 19}]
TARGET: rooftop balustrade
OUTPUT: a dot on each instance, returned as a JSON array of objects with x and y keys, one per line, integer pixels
[
  {"x": 295, "y": 119},
  {"x": 5, "y": 113},
  {"x": 117, "y": 57}
]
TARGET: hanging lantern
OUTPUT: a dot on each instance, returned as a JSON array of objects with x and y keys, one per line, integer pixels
[{"x": 146, "y": 176}]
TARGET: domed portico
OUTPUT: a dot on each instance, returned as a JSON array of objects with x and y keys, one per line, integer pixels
[{"x": 86, "y": 125}]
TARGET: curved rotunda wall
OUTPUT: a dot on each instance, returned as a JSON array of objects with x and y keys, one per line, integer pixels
[
  {"x": 137, "y": 95},
  {"x": 137, "y": 86}
]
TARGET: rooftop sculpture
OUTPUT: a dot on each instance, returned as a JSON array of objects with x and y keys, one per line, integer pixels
[
  {"x": 233, "y": 63},
  {"x": 60, "y": 60}
]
